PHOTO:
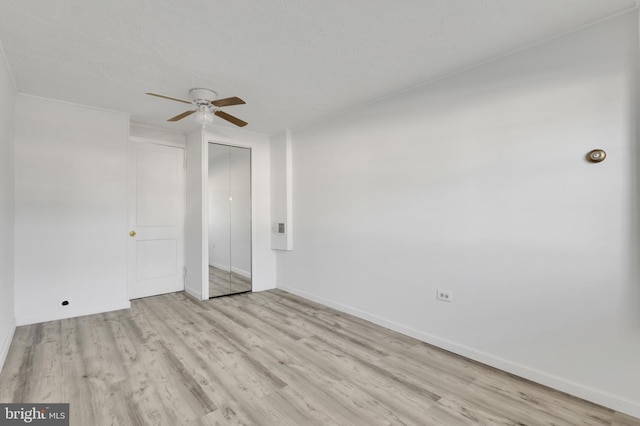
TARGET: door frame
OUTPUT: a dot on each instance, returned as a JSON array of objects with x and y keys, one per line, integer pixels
[{"x": 205, "y": 205}]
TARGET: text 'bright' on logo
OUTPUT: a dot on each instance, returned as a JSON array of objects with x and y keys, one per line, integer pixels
[{"x": 38, "y": 414}]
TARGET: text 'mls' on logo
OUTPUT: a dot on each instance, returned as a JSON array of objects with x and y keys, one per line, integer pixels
[{"x": 34, "y": 414}]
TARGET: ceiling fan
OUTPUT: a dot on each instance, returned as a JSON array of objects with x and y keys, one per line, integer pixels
[{"x": 206, "y": 106}]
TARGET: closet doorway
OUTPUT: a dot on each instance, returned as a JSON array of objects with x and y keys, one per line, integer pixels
[{"x": 229, "y": 220}]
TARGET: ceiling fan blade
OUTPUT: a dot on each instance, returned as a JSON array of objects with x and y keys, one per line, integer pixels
[
  {"x": 181, "y": 116},
  {"x": 231, "y": 118},
  {"x": 168, "y": 97},
  {"x": 228, "y": 102}
]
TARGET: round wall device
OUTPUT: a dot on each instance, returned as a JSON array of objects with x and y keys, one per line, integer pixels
[{"x": 596, "y": 155}]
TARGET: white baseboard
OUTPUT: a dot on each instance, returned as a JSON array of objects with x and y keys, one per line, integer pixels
[
  {"x": 4, "y": 349},
  {"x": 194, "y": 294},
  {"x": 262, "y": 285},
  {"x": 70, "y": 313},
  {"x": 611, "y": 401}
]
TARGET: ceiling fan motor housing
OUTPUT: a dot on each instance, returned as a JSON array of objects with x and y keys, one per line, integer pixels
[{"x": 202, "y": 96}]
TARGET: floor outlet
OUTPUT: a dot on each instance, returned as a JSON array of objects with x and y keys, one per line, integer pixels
[{"x": 444, "y": 295}]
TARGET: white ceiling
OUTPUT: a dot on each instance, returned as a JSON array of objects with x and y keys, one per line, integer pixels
[{"x": 293, "y": 61}]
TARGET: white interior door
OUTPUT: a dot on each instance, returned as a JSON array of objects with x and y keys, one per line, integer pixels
[{"x": 156, "y": 219}]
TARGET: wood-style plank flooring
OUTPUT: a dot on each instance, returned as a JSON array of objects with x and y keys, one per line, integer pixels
[
  {"x": 223, "y": 282},
  {"x": 267, "y": 358}
]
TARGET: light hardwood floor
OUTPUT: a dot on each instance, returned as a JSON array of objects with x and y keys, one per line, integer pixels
[{"x": 267, "y": 358}]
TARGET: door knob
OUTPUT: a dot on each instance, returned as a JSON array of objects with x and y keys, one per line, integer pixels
[{"x": 132, "y": 233}]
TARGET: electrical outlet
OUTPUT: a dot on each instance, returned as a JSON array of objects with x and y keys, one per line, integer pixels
[{"x": 444, "y": 295}]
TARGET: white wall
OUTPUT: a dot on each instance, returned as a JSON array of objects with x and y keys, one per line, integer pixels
[
  {"x": 478, "y": 184},
  {"x": 7, "y": 103},
  {"x": 281, "y": 191},
  {"x": 157, "y": 135},
  {"x": 70, "y": 210},
  {"x": 263, "y": 260},
  {"x": 196, "y": 222}
]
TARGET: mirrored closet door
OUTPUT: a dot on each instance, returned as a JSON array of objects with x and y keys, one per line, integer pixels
[{"x": 229, "y": 220}]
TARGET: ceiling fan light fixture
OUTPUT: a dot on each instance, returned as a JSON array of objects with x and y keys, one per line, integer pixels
[{"x": 204, "y": 117}]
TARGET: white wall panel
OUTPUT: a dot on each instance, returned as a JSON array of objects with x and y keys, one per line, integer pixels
[
  {"x": 281, "y": 191},
  {"x": 196, "y": 253},
  {"x": 478, "y": 184},
  {"x": 263, "y": 268},
  {"x": 7, "y": 104},
  {"x": 71, "y": 210},
  {"x": 157, "y": 135}
]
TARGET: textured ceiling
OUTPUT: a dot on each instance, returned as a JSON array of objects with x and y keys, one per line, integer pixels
[{"x": 293, "y": 61}]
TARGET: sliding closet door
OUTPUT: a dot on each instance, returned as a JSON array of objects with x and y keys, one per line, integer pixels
[
  {"x": 229, "y": 220},
  {"x": 240, "y": 190}
]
